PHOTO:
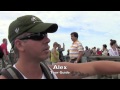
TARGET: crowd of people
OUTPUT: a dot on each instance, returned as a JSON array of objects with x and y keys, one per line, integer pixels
[
  {"x": 113, "y": 51},
  {"x": 77, "y": 51}
]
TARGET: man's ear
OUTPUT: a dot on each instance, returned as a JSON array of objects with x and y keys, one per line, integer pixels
[{"x": 19, "y": 45}]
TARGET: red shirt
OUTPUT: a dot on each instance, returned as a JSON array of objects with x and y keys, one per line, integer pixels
[
  {"x": 99, "y": 53},
  {"x": 4, "y": 47}
]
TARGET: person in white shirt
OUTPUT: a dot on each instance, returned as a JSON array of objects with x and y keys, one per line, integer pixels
[
  {"x": 114, "y": 50},
  {"x": 105, "y": 51}
]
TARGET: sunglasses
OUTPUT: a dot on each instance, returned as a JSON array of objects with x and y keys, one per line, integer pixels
[{"x": 35, "y": 36}]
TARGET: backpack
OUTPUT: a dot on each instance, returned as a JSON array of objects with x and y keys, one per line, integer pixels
[
  {"x": 12, "y": 73},
  {"x": 1, "y": 52}
]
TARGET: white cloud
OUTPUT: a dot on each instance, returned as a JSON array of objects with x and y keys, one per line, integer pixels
[{"x": 83, "y": 22}]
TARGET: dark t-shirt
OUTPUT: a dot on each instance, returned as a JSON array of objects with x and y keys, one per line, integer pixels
[{"x": 60, "y": 50}]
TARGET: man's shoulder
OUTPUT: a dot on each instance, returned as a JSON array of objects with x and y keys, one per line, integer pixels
[{"x": 78, "y": 42}]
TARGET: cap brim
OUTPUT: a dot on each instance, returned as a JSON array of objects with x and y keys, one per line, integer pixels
[{"x": 41, "y": 27}]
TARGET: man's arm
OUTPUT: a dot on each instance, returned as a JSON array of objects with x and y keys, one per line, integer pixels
[
  {"x": 63, "y": 49},
  {"x": 82, "y": 70}
]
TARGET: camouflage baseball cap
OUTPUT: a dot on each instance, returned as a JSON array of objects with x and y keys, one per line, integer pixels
[{"x": 30, "y": 24}]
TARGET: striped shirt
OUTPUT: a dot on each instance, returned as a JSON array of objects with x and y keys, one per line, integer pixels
[{"x": 75, "y": 48}]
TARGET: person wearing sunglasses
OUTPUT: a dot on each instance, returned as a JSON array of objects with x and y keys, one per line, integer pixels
[{"x": 28, "y": 37}]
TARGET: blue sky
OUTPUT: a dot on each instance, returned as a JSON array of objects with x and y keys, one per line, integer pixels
[{"x": 95, "y": 28}]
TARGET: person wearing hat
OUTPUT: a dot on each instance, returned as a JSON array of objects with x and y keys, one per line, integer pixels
[{"x": 28, "y": 37}]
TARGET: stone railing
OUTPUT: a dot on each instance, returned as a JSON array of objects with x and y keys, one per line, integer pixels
[{"x": 98, "y": 58}]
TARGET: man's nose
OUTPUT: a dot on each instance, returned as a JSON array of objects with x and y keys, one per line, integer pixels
[{"x": 47, "y": 40}]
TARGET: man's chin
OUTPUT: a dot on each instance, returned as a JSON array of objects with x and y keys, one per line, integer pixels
[{"x": 46, "y": 58}]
